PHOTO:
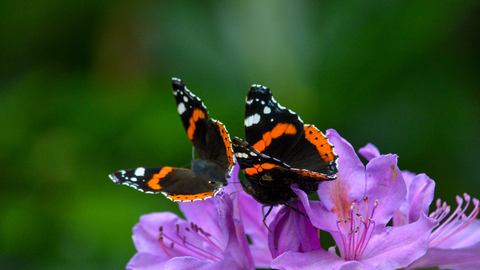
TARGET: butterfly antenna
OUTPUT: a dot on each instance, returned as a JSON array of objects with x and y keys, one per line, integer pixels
[
  {"x": 265, "y": 223},
  {"x": 233, "y": 192},
  {"x": 193, "y": 153}
]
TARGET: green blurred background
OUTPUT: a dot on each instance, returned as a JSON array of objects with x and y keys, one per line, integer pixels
[{"x": 85, "y": 91}]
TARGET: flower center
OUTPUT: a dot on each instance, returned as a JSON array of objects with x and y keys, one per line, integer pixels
[
  {"x": 199, "y": 243},
  {"x": 356, "y": 231},
  {"x": 455, "y": 223}
]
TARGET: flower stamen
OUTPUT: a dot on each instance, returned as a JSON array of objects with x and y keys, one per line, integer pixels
[
  {"x": 360, "y": 230},
  {"x": 456, "y": 222},
  {"x": 202, "y": 249}
]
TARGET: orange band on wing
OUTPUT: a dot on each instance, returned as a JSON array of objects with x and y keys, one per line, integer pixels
[
  {"x": 324, "y": 147},
  {"x": 257, "y": 168},
  {"x": 194, "y": 197},
  {"x": 197, "y": 114},
  {"x": 154, "y": 183},
  {"x": 311, "y": 174},
  {"x": 277, "y": 131},
  {"x": 228, "y": 145}
]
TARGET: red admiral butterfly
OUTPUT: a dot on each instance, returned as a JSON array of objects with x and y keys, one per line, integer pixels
[
  {"x": 280, "y": 151},
  {"x": 208, "y": 174}
]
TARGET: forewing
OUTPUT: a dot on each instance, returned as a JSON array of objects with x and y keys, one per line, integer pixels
[
  {"x": 269, "y": 127},
  {"x": 193, "y": 113}
]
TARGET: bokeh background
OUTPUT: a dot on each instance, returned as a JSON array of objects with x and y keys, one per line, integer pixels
[{"x": 85, "y": 91}]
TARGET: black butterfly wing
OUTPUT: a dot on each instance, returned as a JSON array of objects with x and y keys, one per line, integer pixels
[
  {"x": 175, "y": 183},
  {"x": 314, "y": 152},
  {"x": 218, "y": 146},
  {"x": 280, "y": 133},
  {"x": 193, "y": 113},
  {"x": 268, "y": 179},
  {"x": 269, "y": 127},
  {"x": 209, "y": 137}
]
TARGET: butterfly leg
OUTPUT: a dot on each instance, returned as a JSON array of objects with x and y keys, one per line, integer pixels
[
  {"x": 296, "y": 210},
  {"x": 264, "y": 223}
]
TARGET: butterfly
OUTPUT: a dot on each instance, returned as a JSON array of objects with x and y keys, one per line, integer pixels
[
  {"x": 207, "y": 175},
  {"x": 280, "y": 150}
]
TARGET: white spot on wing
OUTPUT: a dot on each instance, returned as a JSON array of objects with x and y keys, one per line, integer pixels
[
  {"x": 249, "y": 101},
  {"x": 252, "y": 120},
  {"x": 134, "y": 179},
  {"x": 140, "y": 172},
  {"x": 241, "y": 155},
  {"x": 185, "y": 98},
  {"x": 267, "y": 110},
  {"x": 181, "y": 108}
]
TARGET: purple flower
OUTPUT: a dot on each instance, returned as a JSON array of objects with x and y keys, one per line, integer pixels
[
  {"x": 419, "y": 196},
  {"x": 251, "y": 213},
  {"x": 455, "y": 243},
  {"x": 212, "y": 237},
  {"x": 355, "y": 209},
  {"x": 293, "y": 231}
]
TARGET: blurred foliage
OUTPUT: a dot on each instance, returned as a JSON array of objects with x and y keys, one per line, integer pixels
[{"x": 85, "y": 91}]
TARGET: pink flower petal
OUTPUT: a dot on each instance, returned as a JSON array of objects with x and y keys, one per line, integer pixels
[{"x": 369, "y": 151}]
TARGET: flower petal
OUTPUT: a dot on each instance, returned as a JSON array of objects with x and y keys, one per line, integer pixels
[
  {"x": 188, "y": 263},
  {"x": 408, "y": 177},
  {"x": 181, "y": 263},
  {"x": 398, "y": 247},
  {"x": 146, "y": 261},
  {"x": 319, "y": 215},
  {"x": 205, "y": 215},
  {"x": 251, "y": 213},
  {"x": 349, "y": 186},
  {"x": 468, "y": 236},
  {"x": 467, "y": 258},
  {"x": 146, "y": 232},
  {"x": 419, "y": 197},
  {"x": 317, "y": 259},
  {"x": 293, "y": 231},
  {"x": 385, "y": 184},
  {"x": 369, "y": 151},
  {"x": 237, "y": 245}
]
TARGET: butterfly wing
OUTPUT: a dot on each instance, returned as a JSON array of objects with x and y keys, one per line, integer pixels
[
  {"x": 209, "y": 137},
  {"x": 280, "y": 133},
  {"x": 175, "y": 183},
  {"x": 269, "y": 127}
]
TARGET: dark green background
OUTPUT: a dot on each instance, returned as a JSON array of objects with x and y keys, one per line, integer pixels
[{"x": 85, "y": 91}]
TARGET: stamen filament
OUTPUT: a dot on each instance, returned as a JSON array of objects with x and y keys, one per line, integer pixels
[
  {"x": 456, "y": 222},
  {"x": 356, "y": 235},
  {"x": 440, "y": 228},
  {"x": 182, "y": 241},
  {"x": 160, "y": 239}
]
